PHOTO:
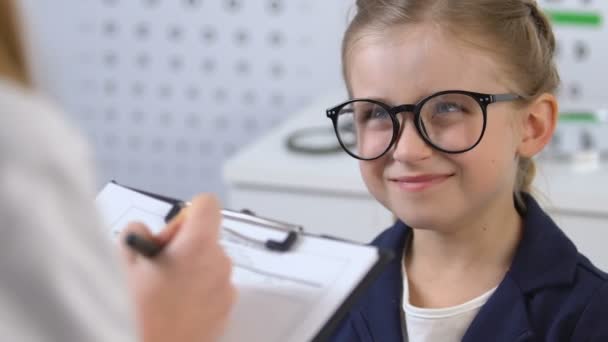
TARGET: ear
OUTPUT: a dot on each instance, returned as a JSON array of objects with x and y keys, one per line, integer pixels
[{"x": 538, "y": 124}]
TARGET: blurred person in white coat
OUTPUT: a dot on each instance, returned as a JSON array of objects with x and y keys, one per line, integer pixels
[{"x": 60, "y": 279}]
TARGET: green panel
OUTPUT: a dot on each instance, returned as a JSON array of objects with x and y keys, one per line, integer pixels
[
  {"x": 587, "y": 117},
  {"x": 575, "y": 18}
]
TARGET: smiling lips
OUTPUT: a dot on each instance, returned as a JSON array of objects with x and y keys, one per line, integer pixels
[{"x": 419, "y": 183}]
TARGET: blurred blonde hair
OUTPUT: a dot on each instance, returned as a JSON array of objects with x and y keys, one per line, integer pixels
[
  {"x": 13, "y": 64},
  {"x": 515, "y": 32}
]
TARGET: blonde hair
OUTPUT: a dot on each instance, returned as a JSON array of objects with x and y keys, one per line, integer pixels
[
  {"x": 13, "y": 64},
  {"x": 515, "y": 32}
]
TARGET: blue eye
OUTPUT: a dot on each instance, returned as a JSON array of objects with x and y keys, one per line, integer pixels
[
  {"x": 373, "y": 113},
  {"x": 379, "y": 114},
  {"x": 448, "y": 107}
]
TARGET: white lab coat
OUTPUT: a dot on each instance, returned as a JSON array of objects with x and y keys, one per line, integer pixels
[{"x": 59, "y": 277}]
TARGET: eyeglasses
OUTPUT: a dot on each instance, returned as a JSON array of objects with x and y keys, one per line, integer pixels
[{"x": 452, "y": 121}]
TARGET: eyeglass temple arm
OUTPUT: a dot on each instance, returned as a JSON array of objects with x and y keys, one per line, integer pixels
[{"x": 506, "y": 97}]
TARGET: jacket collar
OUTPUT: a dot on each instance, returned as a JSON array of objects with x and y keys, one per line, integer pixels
[
  {"x": 545, "y": 257},
  {"x": 380, "y": 310}
]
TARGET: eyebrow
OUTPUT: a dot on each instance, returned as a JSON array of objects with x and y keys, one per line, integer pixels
[{"x": 390, "y": 103}]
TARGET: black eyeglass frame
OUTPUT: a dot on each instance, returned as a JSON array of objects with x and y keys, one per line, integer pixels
[{"x": 482, "y": 99}]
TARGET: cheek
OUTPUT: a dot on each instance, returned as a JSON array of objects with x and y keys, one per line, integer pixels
[
  {"x": 372, "y": 174},
  {"x": 492, "y": 163}
]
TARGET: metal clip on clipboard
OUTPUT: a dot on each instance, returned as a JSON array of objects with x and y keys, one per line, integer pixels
[{"x": 292, "y": 230}]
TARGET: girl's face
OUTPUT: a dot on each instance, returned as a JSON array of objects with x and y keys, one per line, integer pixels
[{"x": 426, "y": 188}]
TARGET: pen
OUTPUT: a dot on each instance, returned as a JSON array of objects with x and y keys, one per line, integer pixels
[
  {"x": 142, "y": 245},
  {"x": 150, "y": 248}
]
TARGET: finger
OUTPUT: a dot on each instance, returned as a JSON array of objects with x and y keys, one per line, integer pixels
[
  {"x": 201, "y": 224},
  {"x": 133, "y": 228},
  {"x": 172, "y": 228}
]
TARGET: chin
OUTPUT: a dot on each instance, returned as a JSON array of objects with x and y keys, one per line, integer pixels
[
  {"x": 423, "y": 223},
  {"x": 431, "y": 209},
  {"x": 421, "y": 218}
]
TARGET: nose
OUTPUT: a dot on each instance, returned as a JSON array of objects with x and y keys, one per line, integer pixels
[{"x": 410, "y": 147}]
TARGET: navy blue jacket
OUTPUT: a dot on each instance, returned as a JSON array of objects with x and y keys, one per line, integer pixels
[{"x": 550, "y": 293}]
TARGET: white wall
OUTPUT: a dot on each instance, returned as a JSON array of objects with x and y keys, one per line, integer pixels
[{"x": 167, "y": 89}]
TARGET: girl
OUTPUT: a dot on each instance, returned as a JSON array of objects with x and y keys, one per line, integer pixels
[{"x": 452, "y": 100}]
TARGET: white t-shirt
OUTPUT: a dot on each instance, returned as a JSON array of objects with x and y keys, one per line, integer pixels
[
  {"x": 444, "y": 324},
  {"x": 59, "y": 277}
]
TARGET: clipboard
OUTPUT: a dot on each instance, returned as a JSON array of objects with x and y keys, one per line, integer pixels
[{"x": 314, "y": 279}]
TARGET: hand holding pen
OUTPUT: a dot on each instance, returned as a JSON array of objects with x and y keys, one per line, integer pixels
[
  {"x": 187, "y": 284},
  {"x": 146, "y": 244}
]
